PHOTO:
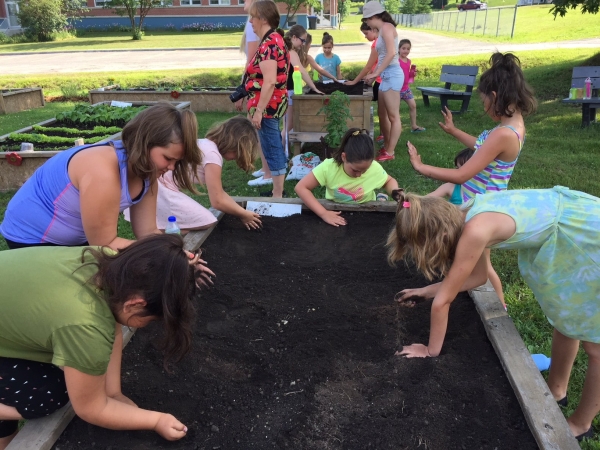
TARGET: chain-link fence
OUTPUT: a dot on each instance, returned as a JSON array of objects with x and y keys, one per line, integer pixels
[{"x": 489, "y": 22}]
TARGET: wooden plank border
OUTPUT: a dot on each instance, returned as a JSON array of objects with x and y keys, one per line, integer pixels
[
  {"x": 41, "y": 434},
  {"x": 545, "y": 420}
]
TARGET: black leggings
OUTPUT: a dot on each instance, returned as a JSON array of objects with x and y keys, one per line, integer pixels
[
  {"x": 12, "y": 245},
  {"x": 35, "y": 389}
]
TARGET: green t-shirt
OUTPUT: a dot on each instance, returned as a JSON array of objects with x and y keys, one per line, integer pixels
[
  {"x": 50, "y": 314},
  {"x": 342, "y": 188}
]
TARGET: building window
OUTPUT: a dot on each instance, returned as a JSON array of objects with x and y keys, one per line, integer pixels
[
  {"x": 190, "y": 2},
  {"x": 241, "y": 2},
  {"x": 219, "y": 2}
]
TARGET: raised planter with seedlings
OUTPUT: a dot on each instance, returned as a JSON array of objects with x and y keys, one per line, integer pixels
[
  {"x": 202, "y": 99},
  {"x": 87, "y": 124},
  {"x": 15, "y": 100}
]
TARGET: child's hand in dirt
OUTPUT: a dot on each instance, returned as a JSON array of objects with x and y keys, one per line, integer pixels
[
  {"x": 414, "y": 351},
  {"x": 170, "y": 428},
  {"x": 415, "y": 158},
  {"x": 251, "y": 220},
  {"x": 334, "y": 218},
  {"x": 202, "y": 273},
  {"x": 448, "y": 125},
  {"x": 406, "y": 297}
]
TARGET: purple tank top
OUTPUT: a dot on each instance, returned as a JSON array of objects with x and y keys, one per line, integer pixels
[{"x": 47, "y": 207}]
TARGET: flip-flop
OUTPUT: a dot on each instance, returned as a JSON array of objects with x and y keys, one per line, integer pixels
[
  {"x": 589, "y": 434},
  {"x": 563, "y": 402},
  {"x": 418, "y": 130}
]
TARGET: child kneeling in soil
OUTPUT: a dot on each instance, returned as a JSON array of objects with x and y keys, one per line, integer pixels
[
  {"x": 236, "y": 140},
  {"x": 60, "y": 328},
  {"x": 556, "y": 232},
  {"x": 349, "y": 176}
]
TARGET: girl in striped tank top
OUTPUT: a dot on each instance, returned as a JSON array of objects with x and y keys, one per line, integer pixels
[{"x": 506, "y": 99}]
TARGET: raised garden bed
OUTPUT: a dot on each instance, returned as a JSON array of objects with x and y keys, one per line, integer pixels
[
  {"x": 58, "y": 134},
  {"x": 15, "y": 100},
  {"x": 202, "y": 99},
  {"x": 297, "y": 352}
]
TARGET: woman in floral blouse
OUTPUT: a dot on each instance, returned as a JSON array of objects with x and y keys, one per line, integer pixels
[{"x": 266, "y": 78}]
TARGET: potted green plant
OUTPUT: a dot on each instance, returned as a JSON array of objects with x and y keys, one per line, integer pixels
[{"x": 337, "y": 113}]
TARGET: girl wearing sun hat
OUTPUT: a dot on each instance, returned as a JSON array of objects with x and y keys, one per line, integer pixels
[{"x": 388, "y": 68}]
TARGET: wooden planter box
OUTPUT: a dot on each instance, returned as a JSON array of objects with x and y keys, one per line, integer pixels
[
  {"x": 15, "y": 100},
  {"x": 200, "y": 101},
  {"x": 310, "y": 126},
  {"x": 545, "y": 420},
  {"x": 12, "y": 177}
]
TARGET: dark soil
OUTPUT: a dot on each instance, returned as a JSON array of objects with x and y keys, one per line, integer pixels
[
  {"x": 329, "y": 88},
  {"x": 294, "y": 348}
]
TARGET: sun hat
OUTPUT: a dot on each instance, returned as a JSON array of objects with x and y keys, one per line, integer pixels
[{"x": 371, "y": 8}]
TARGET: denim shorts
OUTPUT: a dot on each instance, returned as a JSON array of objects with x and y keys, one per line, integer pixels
[
  {"x": 272, "y": 148},
  {"x": 391, "y": 78}
]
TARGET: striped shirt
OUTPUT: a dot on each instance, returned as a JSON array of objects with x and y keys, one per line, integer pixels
[{"x": 495, "y": 176}]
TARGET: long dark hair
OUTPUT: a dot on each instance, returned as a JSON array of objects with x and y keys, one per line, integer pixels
[
  {"x": 386, "y": 17},
  {"x": 506, "y": 79},
  {"x": 156, "y": 269}
]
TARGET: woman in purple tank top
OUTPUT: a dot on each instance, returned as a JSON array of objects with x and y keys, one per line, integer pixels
[{"x": 75, "y": 198}]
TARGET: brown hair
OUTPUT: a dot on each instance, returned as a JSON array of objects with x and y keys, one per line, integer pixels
[
  {"x": 386, "y": 17},
  {"x": 327, "y": 39},
  {"x": 427, "y": 232},
  {"x": 506, "y": 79},
  {"x": 295, "y": 31},
  {"x": 267, "y": 10},
  {"x": 156, "y": 269},
  {"x": 463, "y": 156},
  {"x": 236, "y": 135},
  {"x": 159, "y": 126},
  {"x": 357, "y": 145}
]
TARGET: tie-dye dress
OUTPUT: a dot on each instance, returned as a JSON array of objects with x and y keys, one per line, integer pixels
[{"x": 558, "y": 240}]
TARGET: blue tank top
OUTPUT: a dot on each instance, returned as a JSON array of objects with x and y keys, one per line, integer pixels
[
  {"x": 456, "y": 197},
  {"x": 46, "y": 209}
]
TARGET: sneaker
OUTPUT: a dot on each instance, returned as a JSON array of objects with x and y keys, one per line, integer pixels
[
  {"x": 379, "y": 139},
  {"x": 260, "y": 181},
  {"x": 258, "y": 173},
  {"x": 384, "y": 156}
]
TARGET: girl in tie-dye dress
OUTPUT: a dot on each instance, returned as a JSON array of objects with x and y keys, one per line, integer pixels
[{"x": 557, "y": 234}]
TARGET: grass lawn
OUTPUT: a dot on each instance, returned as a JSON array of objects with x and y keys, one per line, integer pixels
[
  {"x": 556, "y": 152},
  {"x": 536, "y": 24}
]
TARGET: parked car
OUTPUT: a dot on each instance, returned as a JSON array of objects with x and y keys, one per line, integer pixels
[{"x": 472, "y": 4}]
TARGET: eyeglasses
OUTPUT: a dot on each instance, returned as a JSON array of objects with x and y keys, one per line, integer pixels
[{"x": 302, "y": 40}]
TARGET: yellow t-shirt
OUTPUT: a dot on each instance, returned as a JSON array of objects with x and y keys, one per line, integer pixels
[
  {"x": 342, "y": 188},
  {"x": 50, "y": 313}
]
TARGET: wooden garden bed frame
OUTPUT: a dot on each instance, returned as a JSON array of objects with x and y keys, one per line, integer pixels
[
  {"x": 546, "y": 422},
  {"x": 16, "y": 100},
  {"x": 13, "y": 177}
]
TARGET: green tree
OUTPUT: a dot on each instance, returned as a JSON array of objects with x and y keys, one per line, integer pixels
[
  {"x": 41, "y": 19},
  {"x": 343, "y": 9},
  {"x": 392, "y": 6},
  {"x": 415, "y": 7},
  {"x": 587, "y": 6},
  {"x": 136, "y": 8},
  {"x": 292, "y": 7}
]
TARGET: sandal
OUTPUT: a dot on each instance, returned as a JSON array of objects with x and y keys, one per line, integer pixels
[{"x": 418, "y": 130}]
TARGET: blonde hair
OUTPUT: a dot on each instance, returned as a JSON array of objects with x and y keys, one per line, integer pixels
[
  {"x": 236, "y": 135},
  {"x": 160, "y": 126},
  {"x": 426, "y": 233}
]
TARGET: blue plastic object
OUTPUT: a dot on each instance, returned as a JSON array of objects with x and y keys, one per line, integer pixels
[{"x": 541, "y": 361}]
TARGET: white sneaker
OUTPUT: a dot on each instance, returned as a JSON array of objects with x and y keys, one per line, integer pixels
[
  {"x": 260, "y": 181},
  {"x": 258, "y": 173}
]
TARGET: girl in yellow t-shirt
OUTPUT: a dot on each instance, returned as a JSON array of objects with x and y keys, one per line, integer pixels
[{"x": 349, "y": 176}]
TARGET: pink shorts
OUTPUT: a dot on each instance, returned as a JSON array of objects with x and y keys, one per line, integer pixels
[{"x": 406, "y": 95}]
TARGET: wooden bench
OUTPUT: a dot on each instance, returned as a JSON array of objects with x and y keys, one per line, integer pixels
[
  {"x": 588, "y": 107},
  {"x": 464, "y": 75}
]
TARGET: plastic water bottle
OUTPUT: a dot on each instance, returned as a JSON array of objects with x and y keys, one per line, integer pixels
[
  {"x": 587, "y": 89},
  {"x": 172, "y": 227},
  {"x": 315, "y": 75},
  {"x": 541, "y": 361},
  {"x": 297, "y": 77}
]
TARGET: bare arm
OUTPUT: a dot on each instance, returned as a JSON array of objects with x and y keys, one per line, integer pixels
[
  {"x": 448, "y": 126},
  {"x": 304, "y": 190},
  {"x": 339, "y": 72},
  {"x": 445, "y": 190},
  {"x": 390, "y": 185},
  {"x": 372, "y": 60},
  {"x": 252, "y": 47},
  {"x": 143, "y": 214},
  {"x": 219, "y": 199},
  {"x": 493, "y": 147},
  {"x": 113, "y": 373},
  {"x": 295, "y": 60}
]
